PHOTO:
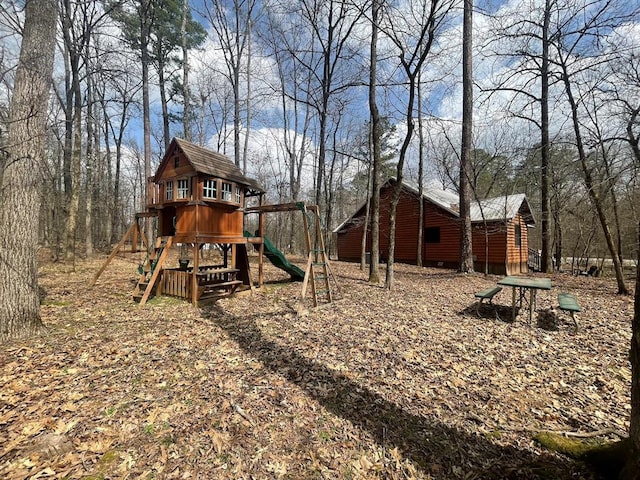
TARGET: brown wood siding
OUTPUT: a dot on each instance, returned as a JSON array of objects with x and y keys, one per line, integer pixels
[
  {"x": 447, "y": 251},
  {"x": 220, "y": 221},
  {"x": 169, "y": 170},
  {"x": 186, "y": 219},
  {"x": 444, "y": 253},
  {"x": 349, "y": 243},
  {"x": 517, "y": 256}
]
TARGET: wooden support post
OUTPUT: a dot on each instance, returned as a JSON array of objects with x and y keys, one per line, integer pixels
[
  {"x": 234, "y": 254},
  {"x": 133, "y": 228},
  {"x": 194, "y": 277},
  {"x": 134, "y": 237},
  {"x": 261, "y": 250},
  {"x": 156, "y": 271}
]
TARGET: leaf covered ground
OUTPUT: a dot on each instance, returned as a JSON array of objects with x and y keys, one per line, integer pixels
[{"x": 379, "y": 385}]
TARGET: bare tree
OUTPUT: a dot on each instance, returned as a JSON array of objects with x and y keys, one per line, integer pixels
[
  {"x": 22, "y": 178},
  {"x": 412, "y": 34},
  {"x": 466, "y": 162},
  {"x": 571, "y": 39},
  {"x": 231, "y": 21},
  {"x": 376, "y": 136}
]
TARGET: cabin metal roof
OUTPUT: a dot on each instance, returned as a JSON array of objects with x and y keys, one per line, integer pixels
[{"x": 209, "y": 162}]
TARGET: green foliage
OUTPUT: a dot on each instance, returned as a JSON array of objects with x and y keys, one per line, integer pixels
[
  {"x": 492, "y": 174},
  {"x": 158, "y": 29},
  {"x": 389, "y": 151},
  {"x": 156, "y": 23}
]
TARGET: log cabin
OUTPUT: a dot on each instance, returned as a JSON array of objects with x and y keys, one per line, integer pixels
[{"x": 500, "y": 230}]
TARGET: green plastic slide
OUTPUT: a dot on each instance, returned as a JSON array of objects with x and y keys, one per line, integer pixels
[{"x": 277, "y": 258}]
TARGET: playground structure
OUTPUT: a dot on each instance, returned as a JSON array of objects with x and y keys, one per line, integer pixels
[{"x": 197, "y": 199}]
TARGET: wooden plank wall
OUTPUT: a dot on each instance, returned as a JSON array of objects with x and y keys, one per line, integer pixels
[
  {"x": 504, "y": 256},
  {"x": 517, "y": 256},
  {"x": 176, "y": 283}
]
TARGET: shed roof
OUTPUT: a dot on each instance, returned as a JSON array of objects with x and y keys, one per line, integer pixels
[
  {"x": 208, "y": 162},
  {"x": 490, "y": 210}
]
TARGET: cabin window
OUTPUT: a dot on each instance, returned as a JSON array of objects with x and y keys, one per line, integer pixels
[
  {"x": 226, "y": 191},
  {"x": 518, "y": 235},
  {"x": 238, "y": 195},
  {"x": 432, "y": 235},
  {"x": 210, "y": 189},
  {"x": 169, "y": 190},
  {"x": 176, "y": 162},
  {"x": 183, "y": 188}
]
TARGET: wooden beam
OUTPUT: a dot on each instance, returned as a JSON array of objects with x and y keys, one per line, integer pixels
[
  {"x": 156, "y": 272},
  {"x": 130, "y": 231},
  {"x": 194, "y": 277},
  {"x": 280, "y": 207}
]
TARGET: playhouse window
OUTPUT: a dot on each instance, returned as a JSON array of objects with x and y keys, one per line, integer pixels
[
  {"x": 238, "y": 195},
  {"x": 210, "y": 189},
  {"x": 169, "y": 190},
  {"x": 432, "y": 235},
  {"x": 226, "y": 191},
  {"x": 183, "y": 188}
]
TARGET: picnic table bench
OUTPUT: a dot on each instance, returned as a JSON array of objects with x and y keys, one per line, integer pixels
[
  {"x": 487, "y": 294},
  {"x": 569, "y": 303}
]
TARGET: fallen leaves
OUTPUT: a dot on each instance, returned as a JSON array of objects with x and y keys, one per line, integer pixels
[{"x": 393, "y": 385}]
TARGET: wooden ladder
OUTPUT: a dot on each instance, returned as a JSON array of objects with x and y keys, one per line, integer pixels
[
  {"x": 151, "y": 268},
  {"x": 318, "y": 271}
]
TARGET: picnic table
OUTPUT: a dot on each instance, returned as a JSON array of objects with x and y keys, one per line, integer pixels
[{"x": 524, "y": 284}]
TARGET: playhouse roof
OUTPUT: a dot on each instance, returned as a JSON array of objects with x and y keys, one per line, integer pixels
[
  {"x": 490, "y": 209},
  {"x": 208, "y": 162}
]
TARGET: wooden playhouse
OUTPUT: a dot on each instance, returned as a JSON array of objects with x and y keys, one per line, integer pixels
[{"x": 198, "y": 200}]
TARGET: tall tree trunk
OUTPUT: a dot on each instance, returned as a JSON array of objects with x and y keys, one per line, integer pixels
[
  {"x": 90, "y": 187},
  {"x": 247, "y": 102},
  {"x": 376, "y": 134},
  {"x": 466, "y": 170},
  {"x": 186, "y": 92},
  {"x": 367, "y": 214},
  {"x": 76, "y": 161},
  {"x": 632, "y": 468},
  {"x": 145, "y": 27},
  {"x": 236, "y": 115},
  {"x": 22, "y": 179},
  {"x": 544, "y": 144},
  {"x": 420, "y": 177},
  {"x": 166, "y": 133}
]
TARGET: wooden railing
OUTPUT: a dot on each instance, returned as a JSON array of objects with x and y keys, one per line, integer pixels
[
  {"x": 176, "y": 283},
  {"x": 153, "y": 193}
]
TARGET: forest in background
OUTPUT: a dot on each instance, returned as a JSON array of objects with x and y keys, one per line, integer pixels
[
  {"x": 281, "y": 88},
  {"x": 63, "y": 187}
]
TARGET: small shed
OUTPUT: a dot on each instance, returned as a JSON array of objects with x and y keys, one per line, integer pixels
[{"x": 501, "y": 222}]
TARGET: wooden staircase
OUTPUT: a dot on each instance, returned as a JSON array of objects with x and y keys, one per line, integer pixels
[
  {"x": 150, "y": 270},
  {"x": 318, "y": 272}
]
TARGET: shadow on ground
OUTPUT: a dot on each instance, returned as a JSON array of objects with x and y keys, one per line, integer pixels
[
  {"x": 435, "y": 448},
  {"x": 502, "y": 313}
]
